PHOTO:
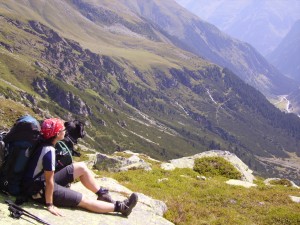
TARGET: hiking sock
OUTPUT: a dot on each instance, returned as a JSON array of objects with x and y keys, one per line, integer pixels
[
  {"x": 102, "y": 191},
  {"x": 117, "y": 206}
]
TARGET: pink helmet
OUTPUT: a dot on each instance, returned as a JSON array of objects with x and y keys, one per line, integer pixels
[{"x": 51, "y": 127}]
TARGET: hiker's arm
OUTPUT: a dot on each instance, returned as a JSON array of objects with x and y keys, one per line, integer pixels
[{"x": 49, "y": 178}]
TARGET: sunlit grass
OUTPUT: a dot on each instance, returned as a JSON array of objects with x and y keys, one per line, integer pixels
[
  {"x": 10, "y": 111},
  {"x": 212, "y": 201}
]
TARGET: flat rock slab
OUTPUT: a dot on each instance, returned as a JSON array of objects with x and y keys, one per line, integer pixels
[
  {"x": 240, "y": 183},
  {"x": 295, "y": 199},
  {"x": 147, "y": 210}
]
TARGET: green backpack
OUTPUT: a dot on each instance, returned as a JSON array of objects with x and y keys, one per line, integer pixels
[{"x": 63, "y": 155}]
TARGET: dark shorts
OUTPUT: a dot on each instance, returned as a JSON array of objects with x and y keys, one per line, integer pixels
[{"x": 62, "y": 195}]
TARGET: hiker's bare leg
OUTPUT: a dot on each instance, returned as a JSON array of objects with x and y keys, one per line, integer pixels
[
  {"x": 86, "y": 176},
  {"x": 96, "y": 206}
]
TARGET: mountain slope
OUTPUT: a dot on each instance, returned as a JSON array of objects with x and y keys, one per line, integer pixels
[
  {"x": 263, "y": 24},
  {"x": 147, "y": 21},
  {"x": 294, "y": 99},
  {"x": 286, "y": 56},
  {"x": 142, "y": 93},
  {"x": 190, "y": 33}
]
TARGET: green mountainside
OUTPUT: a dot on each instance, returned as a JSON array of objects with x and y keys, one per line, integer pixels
[
  {"x": 188, "y": 32},
  {"x": 131, "y": 27},
  {"x": 132, "y": 86}
]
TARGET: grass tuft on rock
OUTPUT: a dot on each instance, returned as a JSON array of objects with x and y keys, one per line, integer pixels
[{"x": 216, "y": 166}]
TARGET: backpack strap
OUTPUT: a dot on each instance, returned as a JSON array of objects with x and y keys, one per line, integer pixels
[
  {"x": 63, "y": 155},
  {"x": 39, "y": 146},
  {"x": 62, "y": 145}
]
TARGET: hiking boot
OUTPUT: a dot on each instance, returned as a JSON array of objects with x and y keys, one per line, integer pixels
[
  {"x": 103, "y": 195},
  {"x": 127, "y": 205}
]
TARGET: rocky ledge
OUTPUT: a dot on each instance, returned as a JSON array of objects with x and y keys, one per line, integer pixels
[{"x": 147, "y": 211}]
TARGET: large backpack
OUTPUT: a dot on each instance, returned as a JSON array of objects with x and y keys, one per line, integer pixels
[{"x": 19, "y": 145}]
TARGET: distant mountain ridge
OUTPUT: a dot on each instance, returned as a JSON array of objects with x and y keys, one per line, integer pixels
[
  {"x": 286, "y": 56},
  {"x": 262, "y": 23}
]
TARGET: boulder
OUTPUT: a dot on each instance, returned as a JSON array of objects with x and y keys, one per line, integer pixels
[
  {"x": 167, "y": 166},
  {"x": 269, "y": 181},
  {"x": 108, "y": 163},
  {"x": 119, "y": 163},
  {"x": 188, "y": 162}
]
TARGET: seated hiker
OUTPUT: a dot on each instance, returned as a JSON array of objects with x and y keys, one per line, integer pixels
[{"x": 47, "y": 187}]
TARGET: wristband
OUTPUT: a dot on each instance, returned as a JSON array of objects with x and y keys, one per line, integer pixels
[{"x": 49, "y": 204}]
